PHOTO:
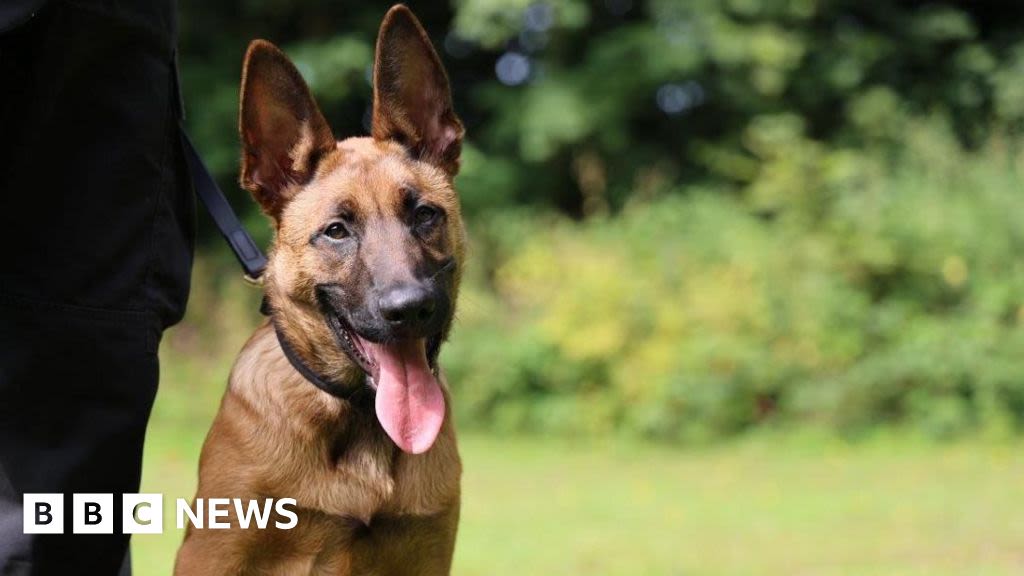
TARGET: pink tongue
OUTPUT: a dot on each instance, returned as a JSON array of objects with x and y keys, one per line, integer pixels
[{"x": 410, "y": 405}]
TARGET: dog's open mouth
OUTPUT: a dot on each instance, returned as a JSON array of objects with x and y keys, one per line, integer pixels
[
  {"x": 358, "y": 348},
  {"x": 354, "y": 346},
  {"x": 409, "y": 403}
]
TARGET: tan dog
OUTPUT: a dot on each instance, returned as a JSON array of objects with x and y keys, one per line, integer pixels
[{"x": 337, "y": 400}]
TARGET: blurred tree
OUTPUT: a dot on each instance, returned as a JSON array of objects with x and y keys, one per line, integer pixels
[{"x": 642, "y": 93}]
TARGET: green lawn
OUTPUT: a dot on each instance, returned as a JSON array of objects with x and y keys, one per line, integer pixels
[{"x": 767, "y": 505}]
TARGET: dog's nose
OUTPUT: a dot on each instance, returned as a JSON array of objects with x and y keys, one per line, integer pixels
[{"x": 407, "y": 306}]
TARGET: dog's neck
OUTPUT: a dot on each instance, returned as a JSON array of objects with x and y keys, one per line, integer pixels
[{"x": 311, "y": 340}]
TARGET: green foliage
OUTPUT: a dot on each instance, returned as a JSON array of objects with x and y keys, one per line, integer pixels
[
  {"x": 662, "y": 90},
  {"x": 691, "y": 218},
  {"x": 870, "y": 295}
]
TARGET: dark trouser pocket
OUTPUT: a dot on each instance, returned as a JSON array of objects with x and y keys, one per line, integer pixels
[{"x": 76, "y": 389}]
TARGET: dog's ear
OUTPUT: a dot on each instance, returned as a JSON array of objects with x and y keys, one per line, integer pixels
[
  {"x": 412, "y": 103},
  {"x": 283, "y": 133}
]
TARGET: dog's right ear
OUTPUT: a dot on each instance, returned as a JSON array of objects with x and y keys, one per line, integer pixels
[{"x": 284, "y": 135}]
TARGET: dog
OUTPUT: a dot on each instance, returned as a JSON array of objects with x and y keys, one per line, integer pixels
[{"x": 337, "y": 400}]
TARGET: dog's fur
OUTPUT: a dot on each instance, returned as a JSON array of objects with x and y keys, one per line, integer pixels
[{"x": 364, "y": 507}]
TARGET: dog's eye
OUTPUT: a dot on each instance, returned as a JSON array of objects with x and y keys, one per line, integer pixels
[
  {"x": 425, "y": 215},
  {"x": 336, "y": 231}
]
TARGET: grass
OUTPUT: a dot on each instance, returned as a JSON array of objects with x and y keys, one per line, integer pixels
[
  {"x": 770, "y": 504},
  {"x": 766, "y": 505}
]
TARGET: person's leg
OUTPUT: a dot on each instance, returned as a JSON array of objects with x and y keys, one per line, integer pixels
[{"x": 96, "y": 220}]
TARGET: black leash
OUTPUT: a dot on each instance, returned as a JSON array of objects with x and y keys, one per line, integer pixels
[
  {"x": 245, "y": 249},
  {"x": 252, "y": 259}
]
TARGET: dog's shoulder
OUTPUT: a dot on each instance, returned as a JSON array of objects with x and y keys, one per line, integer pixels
[
  {"x": 257, "y": 362},
  {"x": 264, "y": 380}
]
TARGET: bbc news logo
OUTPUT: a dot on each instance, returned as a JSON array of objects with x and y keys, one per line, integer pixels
[{"x": 144, "y": 513}]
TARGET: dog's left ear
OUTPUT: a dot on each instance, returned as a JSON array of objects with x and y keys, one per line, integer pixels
[{"x": 412, "y": 103}]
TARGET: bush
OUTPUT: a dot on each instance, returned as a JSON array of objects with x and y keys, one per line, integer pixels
[{"x": 839, "y": 288}]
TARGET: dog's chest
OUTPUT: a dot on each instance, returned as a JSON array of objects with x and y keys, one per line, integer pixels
[{"x": 372, "y": 478}]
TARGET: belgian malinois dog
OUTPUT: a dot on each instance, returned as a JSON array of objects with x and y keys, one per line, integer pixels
[{"x": 337, "y": 401}]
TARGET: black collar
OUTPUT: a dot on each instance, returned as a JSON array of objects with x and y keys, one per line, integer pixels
[{"x": 333, "y": 388}]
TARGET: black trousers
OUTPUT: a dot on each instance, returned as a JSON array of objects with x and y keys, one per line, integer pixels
[{"x": 96, "y": 238}]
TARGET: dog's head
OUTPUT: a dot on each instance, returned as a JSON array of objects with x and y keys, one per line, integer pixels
[{"x": 369, "y": 242}]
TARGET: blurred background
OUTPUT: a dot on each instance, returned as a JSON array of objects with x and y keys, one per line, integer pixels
[{"x": 744, "y": 292}]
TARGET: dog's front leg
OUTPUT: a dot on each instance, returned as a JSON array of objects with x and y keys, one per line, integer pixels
[{"x": 208, "y": 553}]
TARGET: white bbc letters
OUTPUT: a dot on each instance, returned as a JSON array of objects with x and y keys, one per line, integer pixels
[
  {"x": 144, "y": 513},
  {"x": 183, "y": 508},
  {"x": 218, "y": 509}
]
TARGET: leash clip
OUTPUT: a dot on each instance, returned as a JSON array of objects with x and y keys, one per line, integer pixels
[{"x": 254, "y": 281}]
